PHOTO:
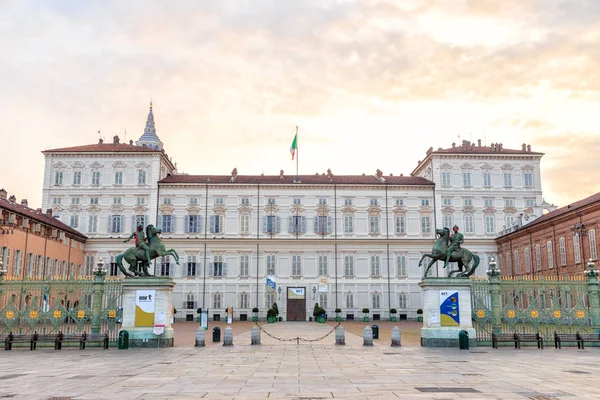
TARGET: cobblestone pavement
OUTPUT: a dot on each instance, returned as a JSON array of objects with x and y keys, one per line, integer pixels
[{"x": 308, "y": 370}]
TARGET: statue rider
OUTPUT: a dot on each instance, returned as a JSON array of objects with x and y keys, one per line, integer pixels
[
  {"x": 140, "y": 241},
  {"x": 456, "y": 240}
]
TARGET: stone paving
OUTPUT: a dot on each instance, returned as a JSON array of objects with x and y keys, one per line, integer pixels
[{"x": 308, "y": 370}]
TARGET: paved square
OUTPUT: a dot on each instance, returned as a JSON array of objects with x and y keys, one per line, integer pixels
[{"x": 315, "y": 370}]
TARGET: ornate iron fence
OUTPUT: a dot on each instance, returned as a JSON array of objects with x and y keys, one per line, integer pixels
[
  {"x": 529, "y": 305},
  {"x": 86, "y": 304}
]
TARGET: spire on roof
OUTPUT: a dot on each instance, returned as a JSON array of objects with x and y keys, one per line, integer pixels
[{"x": 149, "y": 138}]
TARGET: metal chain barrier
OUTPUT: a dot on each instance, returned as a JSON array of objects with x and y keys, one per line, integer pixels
[{"x": 298, "y": 338}]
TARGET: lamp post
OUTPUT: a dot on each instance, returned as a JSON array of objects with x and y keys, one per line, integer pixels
[
  {"x": 99, "y": 275},
  {"x": 594, "y": 295},
  {"x": 494, "y": 279}
]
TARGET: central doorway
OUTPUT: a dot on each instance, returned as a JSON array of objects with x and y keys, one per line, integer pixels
[{"x": 296, "y": 304}]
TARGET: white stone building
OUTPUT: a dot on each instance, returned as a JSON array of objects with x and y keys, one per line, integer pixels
[{"x": 348, "y": 242}]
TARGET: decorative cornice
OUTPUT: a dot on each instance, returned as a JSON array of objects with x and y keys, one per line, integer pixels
[
  {"x": 425, "y": 210},
  {"x": 166, "y": 209},
  {"x": 245, "y": 210},
  {"x": 448, "y": 210},
  {"x": 74, "y": 208},
  {"x": 348, "y": 209},
  {"x": 507, "y": 167},
  {"x": 446, "y": 166},
  {"x": 296, "y": 209},
  {"x": 219, "y": 210},
  {"x": 117, "y": 208},
  {"x": 466, "y": 166},
  {"x": 77, "y": 164},
  {"x": 59, "y": 165},
  {"x": 140, "y": 209},
  {"x": 93, "y": 209},
  {"x": 510, "y": 210},
  {"x": 487, "y": 167},
  {"x": 322, "y": 210},
  {"x": 96, "y": 165},
  {"x": 142, "y": 165},
  {"x": 489, "y": 210},
  {"x": 119, "y": 164},
  {"x": 468, "y": 209},
  {"x": 399, "y": 210},
  {"x": 527, "y": 167},
  {"x": 271, "y": 209}
]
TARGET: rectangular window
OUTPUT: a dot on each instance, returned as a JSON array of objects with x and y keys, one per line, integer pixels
[
  {"x": 550, "y": 256},
  {"x": 245, "y": 201},
  {"x": 89, "y": 265},
  {"x": 30, "y": 264},
  {"x": 297, "y": 201},
  {"x": 508, "y": 263},
  {"x": 139, "y": 219},
  {"x": 401, "y": 265},
  {"x": 448, "y": 221},
  {"x": 487, "y": 179},
  {"x": 245, "y": 265},
  {"x": 447, "y": 201},
  {"x": 322, "y": 201},
  {"x": 517, "y": 262},
  {"x": 348, "y": 202},
  {"x": 167, "y": 201},
  {"x": 348, "y": 265},
  {"x": 488, "y": 202},
  {"x": 74, "y": 223},
  {"x": 95, "y": 178},
  {"x": 94, "y": 200},
  {"x": 468, "y": 221},
  {"x": 508, "y": 179},
  {"x": 399, "y": 202},
  {"x": 115, "y": 224},
  {"x": 528, "y": 179},
  {"x": 527, "y": 252},
  {"x": 165, "y": 266},
  {"x": 509, "y": 202},
  {"x": 577, "y": 249},
  {"x": 297, "y": 224},
  {"x": 56, "y": 200},
  {"x": 75, "y": 200},
  {"x": 167, "y": 223},
  {"x": 349, "y": 300},
  {"x": 244, "y": 300},
  {"x": 296, "y": 265},
  {"x": 77, "y": 178},
  {"x": 593, "y": 248},
  {"x": 400, "y": 224},
  {"x": 58, "y": 178},
  {"x": 374, "y": 224},
  {"x": 92, "y": 224},
  {"x": 117, "y": 200},
  {"x": 141, "y": 177},
  {"x": 190, "y": 304},
  {"x": 192, "y": 223},
  {"x": 220, "y": 201},
  {"x": 426, "y": 224},
  {"x": 17, "y": 266},
  {"x": 348, "y": 224},
  {"x": 118, "y": 177},
  {"x": 374, "y": 202},
  {"x": 446, "y": 178},
  {"x": 244, "y": 224},
  {"x": 529, "y": 202},
  {"x": 562, "y": 251},
  {"x": 271, "y": 201},
  {"x": 193, "y": 201},
  {"x": 538, "y": 257},
  {"x": 323, "y": 300},
  {"x": 191, "y": 265},
  {"x": 510, "y": 221},
  {"x": 402, "y": 300},
  {"x": 323, "y": 223},
  {"x": 270, "y": 224},
  {"x": 218, "y": 267},
  {"x": 490, "y": 227},
  {"x": 5, "y": 258},
  {"x": 216, "y": 224},
  {"x": 140, "y": 201},
  {"x": 467, "y": 202},
  {"x": 424, "y": 202},
  {"x": 271, "y": 262},
  {"x": 269, "y": 300},
  {"x": 375, "y": 265},
  {"x": 375, "y": 300},
  {"x": 323, "y": 270},
  {"x": 217, "y": 301},
  {"x": 466, "y": 179}
]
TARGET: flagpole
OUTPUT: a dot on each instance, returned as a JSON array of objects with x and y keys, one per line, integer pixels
[{"x": 297, "y": 152}]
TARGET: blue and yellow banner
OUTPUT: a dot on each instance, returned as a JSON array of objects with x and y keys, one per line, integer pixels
[{"x": 449, "y": 311}]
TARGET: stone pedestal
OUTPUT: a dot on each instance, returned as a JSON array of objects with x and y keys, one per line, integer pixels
[
  {"x": 443, "y": 319},
  {"x": 142, "y": 334}
]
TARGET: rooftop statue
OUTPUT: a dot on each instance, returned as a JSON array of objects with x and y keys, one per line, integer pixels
[
  {"x": 448, "y": 249},
  {"x": 147, "y": 248}
]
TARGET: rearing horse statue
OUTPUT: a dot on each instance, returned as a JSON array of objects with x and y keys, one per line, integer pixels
[
  {"x": 133, "y": 256},
  {"x": 462, "y": 257}
]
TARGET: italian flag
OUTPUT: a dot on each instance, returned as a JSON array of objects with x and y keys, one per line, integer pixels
[{"x": 294, "y": 146}]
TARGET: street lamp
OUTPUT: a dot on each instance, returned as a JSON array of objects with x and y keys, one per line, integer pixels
[
  {"x": 493, "y": 271},
  {"x": 590, "y": 271},
  {"x": 99, "y": 270},
  {"x": 314, "y": 290}
]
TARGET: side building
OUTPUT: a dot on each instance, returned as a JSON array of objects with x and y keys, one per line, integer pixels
[
  {"x": 343, "y": 241},
  {"x": 559, "y": 243},
  {"x": 34, "y": 244}
]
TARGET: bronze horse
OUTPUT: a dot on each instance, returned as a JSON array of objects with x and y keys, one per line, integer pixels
[{"x": 462, "y": 257}]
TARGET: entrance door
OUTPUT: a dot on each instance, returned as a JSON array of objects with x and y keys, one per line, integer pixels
[{"x": 296, "y": 304}]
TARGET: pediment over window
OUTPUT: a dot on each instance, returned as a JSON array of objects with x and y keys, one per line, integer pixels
[
  {"x": 243, "y": 210},
  {"x": 426, "y": 210},
  {"x": 487, "y": 167},
  {"x": 527, "y": 167},
  {"x": 446, "y": 166},
  {"x": 140, "y": 210},
  {"x": 166, "y": 209},
  {"x": 468, "y": 209},
  {"x": 142, "y": 165},
  {"x": 116, "y": 208},
  {"x": 399, "y": 210},
  {"x": 59, "y": 165},
  {"x": 448, "y": 210},
  {"x": 296, "y": 209},
  {"x": 466, "y": 166},
  {"x": 507, "y": 167},
  {"x": 119, "y": 164},
  {"x": 57, "y": 208},
  {"x": 271, "y": 209},
  {"x": 93, "y": 209},
  {"x": 74, "y": 208},
  {"x": 489, "y": 210},
  {"x": 96, "y": 165},
  {"x": 323, "y": 209},
  {"x": 510, "y": 210},
  {"x": 78, "y": 164},
  {"x": 348, "y": 209}
]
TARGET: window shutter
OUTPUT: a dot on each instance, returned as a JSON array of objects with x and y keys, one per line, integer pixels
[
  {"x": 316, "y": 220},
  {"x": 122, "y": 224},
  {"x": 173, "y": 223},
  {"x": 198, "y": 268},
  {"x": 291, "y": 223},
  {"x": 199, "y": 227},
  {"x": 277, "y": 224},
  {"x": 329, "y": 224},
  {"x": 171, "y": 268},
  {"x": 212, "y": 223},
  {"x": 303, "y": 222},
  {"x": 159, "y": 221},
  {"x": 211, "y": 267},
  {"x": 224, "y": 269},
  {"x": 109, "y": 226},
  {"x": 264, "y": 224},
  {"x": 133, "y": 224},
  {"x": 186, "y": 227}
]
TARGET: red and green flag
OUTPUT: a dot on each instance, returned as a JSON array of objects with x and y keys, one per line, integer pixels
[{"x": 294, "y": 146}]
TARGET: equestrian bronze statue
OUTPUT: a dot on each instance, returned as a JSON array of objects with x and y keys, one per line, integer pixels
[
  {"x": 149, "y": 245},
  {"x": 448, "y": 249}
]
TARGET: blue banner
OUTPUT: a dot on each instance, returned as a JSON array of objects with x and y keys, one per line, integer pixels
[
  {"x": 271, "y": 282},
  {"x": 449, "y": 311}
]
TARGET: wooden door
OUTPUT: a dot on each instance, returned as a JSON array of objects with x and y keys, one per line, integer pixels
[{"x": 296, "y": 304}]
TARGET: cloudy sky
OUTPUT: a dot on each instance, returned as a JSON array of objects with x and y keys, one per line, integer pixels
[{"x": 371, "y": 84}]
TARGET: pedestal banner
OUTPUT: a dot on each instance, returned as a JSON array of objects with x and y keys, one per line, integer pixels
[
  {"x": 204, "y": 320},
  {"x": 449, "y": 311},
  {"x": 229, "y": 315},
  {"x": 144, "y": 307}
]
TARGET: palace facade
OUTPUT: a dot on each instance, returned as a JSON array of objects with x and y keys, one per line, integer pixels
[{"x": 343, "y": 241}]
